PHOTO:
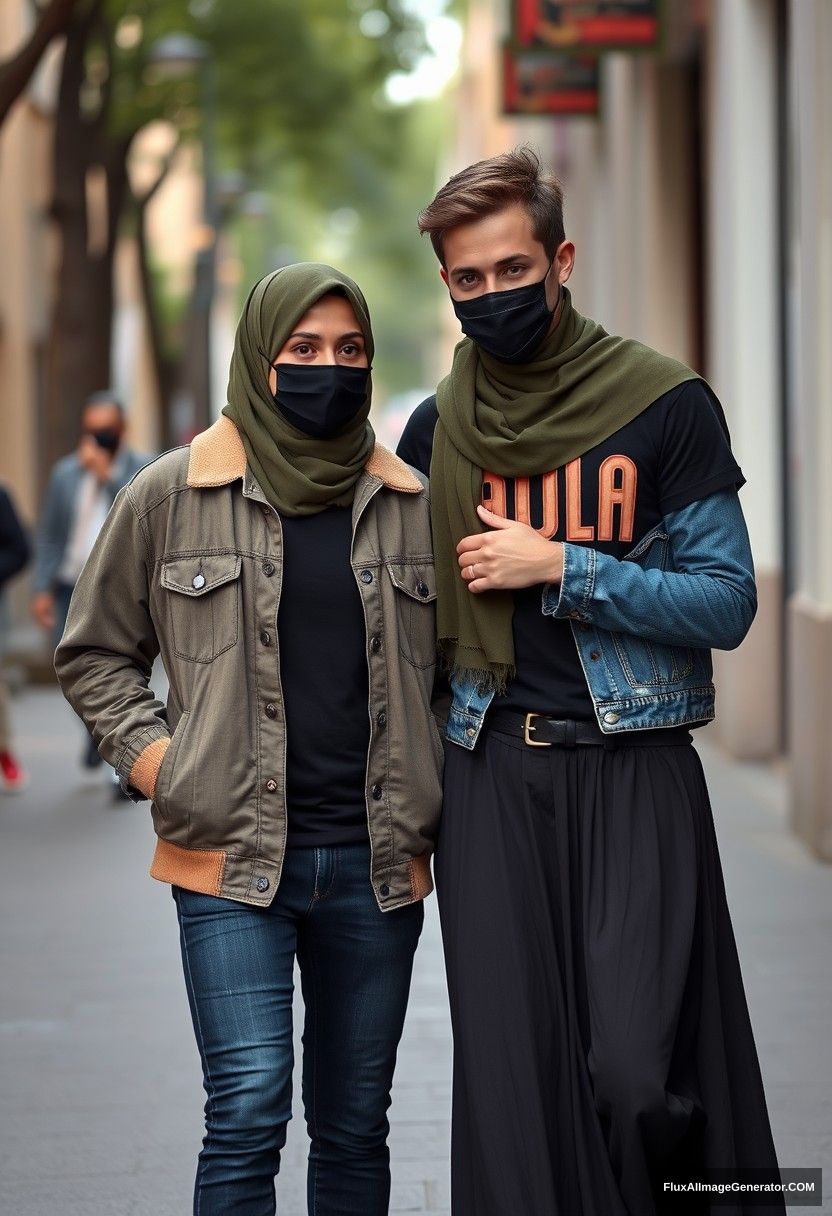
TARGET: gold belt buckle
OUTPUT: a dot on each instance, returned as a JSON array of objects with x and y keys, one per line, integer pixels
[{"x": 527, "y": 730}]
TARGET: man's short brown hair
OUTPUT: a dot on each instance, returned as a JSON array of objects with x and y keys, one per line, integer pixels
[{"x": 491, "y": 185}]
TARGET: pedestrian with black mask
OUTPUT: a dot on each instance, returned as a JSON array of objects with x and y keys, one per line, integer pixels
[
  {"x": 282, "y": 564},
  {"x": 79, "y": 494},
  {"x": 590, "y": 552}
]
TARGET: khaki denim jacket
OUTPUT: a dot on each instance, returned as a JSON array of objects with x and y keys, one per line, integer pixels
[{"x": 189, "y": 565}]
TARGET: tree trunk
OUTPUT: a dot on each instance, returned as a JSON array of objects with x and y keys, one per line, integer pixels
[
  {"x": 79, "y": 360},
  {"x": 15, "y": 73},
  {"x": 165, "y": 367}
]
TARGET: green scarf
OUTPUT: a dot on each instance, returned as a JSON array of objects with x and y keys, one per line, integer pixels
[
  {"x": 298, "y": 474},
  {"x": 518, "y": 420}
]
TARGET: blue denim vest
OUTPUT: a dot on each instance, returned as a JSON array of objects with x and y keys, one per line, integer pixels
[{"x": 644, "y": 626}]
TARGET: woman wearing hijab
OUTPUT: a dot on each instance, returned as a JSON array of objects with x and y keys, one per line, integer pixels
[{"x": 282, "y": 566}]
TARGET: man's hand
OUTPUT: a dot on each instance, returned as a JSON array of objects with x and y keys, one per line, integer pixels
[
  {"x": 512, "y": 556},
  {"x": 43, "y": 609},
  {"x": 94, "y": 458}
]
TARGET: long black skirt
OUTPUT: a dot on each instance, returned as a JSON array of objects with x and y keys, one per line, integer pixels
[{"x": 602, "y": 1043}]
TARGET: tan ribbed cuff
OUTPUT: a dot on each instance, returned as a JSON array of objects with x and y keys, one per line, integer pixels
[{"x": 146, "y": 766}]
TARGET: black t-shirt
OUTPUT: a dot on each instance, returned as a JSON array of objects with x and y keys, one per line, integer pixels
[
  {"x": 323, "y": 671},
  {"x": 674, "y": 453}
]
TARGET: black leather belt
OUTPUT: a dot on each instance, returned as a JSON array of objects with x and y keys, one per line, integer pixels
[{"x": 537, "y": 730}]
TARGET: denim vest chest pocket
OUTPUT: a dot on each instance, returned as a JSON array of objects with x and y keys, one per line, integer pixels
[
  {"x": 203, "y": 603},
  {"x": 649, "y": 666},
  {"x": 414, "y": 581}
]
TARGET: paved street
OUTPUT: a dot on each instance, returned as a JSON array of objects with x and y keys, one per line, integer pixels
[{"x": 100, "y": 1100}]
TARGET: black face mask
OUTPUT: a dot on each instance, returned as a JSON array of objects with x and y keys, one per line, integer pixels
[
  {"x": 510, "y": 325},
  {"x": 106, "y": 438},
  {"x": 320, "y": 399}
]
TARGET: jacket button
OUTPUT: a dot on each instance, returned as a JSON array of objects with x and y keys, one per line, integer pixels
[
  {"x": 262, "y": 884},
  {"x": 384, "y": 890},
  {"x": 271, "y": 785},
  {"x": 271, "y": 710},
  {"x": 611, "y": 717},
  {"x": 366, "y": 576},
  {"x": 470, "y": 732},
  {"x": 594, "y": 655},
  {"x": 268, "y": 569},
  {"x": 375, "y": 643},
  {"x": 381, "y": 719},
  {"x": 422, "y": 588},
  {"x": 198, "y": 581},
  {"x": 377, "y": 792},
  {"x": 574, "y": 615},
  {"x": 266, "y": 638}
]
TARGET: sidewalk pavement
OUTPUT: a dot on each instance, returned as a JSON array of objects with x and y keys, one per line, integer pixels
[{"x": 101, "y": 1099}]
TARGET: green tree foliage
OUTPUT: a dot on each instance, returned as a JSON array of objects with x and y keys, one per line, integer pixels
[{"x": 300, "y": 109}]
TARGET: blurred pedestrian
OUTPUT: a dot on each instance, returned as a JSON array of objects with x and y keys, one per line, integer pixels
[
  {"x": 80, "y": 492},
  {"x": 282, "y": 564},
  {"x": 590, "y": 551},
  {"x": 14, "y": 554}
]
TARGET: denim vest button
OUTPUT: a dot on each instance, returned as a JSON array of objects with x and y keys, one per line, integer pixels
[
  {"x": 384, "y": 890},
  {"x": 271, "y": 785},
  {"x": 271, "y": 710},
  {"x": 377, "y": 792},
  {"x": 470, "y": 732},
  {"x": 381, "y": 719},
  {"x": 198, "y": 581},
  {"x": 266, "y": 638},
  {"x": 262, "y": 884},
  {"x": 423, "y": 590},
  {"x": 366, "y": 576},
  {"x": 375, "y": 643},
  {"x": 612, "y": 718},
  {"x": 268, "y": 569},
  {"x": 594, "y": 655}
]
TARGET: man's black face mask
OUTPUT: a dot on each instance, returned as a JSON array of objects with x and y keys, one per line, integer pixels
[
  {"x": 510, "y": 325},
  {"x": 107, "y": 438},
  {"x": 320, "y": 399}
]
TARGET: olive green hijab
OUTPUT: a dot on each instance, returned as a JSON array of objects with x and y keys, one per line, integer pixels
[
  {"x": 519, "y": 420},
  {"x": 299, "y": 475}
]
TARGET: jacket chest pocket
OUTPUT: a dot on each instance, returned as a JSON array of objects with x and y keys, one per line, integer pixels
[
  {"x": 414, "y": 586},
  {"x": 652, "y": 665},
  {"x": 203, "y": 604}
]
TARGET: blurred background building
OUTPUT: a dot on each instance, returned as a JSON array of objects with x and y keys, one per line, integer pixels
[{"x": 699, "y": 196}]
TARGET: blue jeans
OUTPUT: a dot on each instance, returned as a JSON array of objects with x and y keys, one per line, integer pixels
[{"x": 355, "y": 964}]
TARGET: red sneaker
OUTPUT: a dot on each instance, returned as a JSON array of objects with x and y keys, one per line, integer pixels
[{"x": 13, "y": 778}]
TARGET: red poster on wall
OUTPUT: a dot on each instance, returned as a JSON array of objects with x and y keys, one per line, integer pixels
[
  {"x": 584, "y": 25},
  {"x": 545, "y": 82}
]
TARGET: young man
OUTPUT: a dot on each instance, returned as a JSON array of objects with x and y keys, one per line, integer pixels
[
  {"x": 602, "y": 1037},
  {"x": 79, "y": 495}
]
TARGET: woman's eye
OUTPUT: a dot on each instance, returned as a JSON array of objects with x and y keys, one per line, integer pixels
[
  {"x": 303, "y": 348},
  {"x": 350, "y": 350}
]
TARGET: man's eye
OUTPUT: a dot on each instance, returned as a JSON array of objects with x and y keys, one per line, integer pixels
[
  {"x": 515, "y": 270},
  {"x": 466, "y": 280}
]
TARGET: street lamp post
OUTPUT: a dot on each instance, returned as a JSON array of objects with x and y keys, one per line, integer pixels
[{"x": 176, "y": 55}]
